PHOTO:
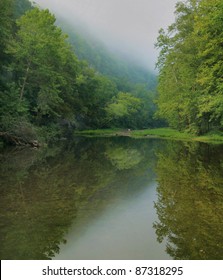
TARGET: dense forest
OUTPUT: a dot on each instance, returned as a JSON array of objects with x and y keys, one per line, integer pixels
[
  {"x": 190, "y": 67},
  {"x": 52, "y": 84},
  {"x": 48, "y": 91}
]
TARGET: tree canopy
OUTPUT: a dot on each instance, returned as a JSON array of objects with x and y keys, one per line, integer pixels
[
  {"x": 45, "y": 86},
  {"x": 190, "y": 67}
]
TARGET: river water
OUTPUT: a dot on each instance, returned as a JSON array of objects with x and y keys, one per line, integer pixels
[{"x": 112, "y": 198}]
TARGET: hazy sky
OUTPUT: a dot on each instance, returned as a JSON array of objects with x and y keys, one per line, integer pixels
[{"x": 127, "y": 26}]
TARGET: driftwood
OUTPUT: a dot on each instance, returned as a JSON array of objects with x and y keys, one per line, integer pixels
[{"x": 18, "y": 140}]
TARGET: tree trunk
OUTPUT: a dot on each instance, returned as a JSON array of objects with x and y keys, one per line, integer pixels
[
  {"x": 24, "y": 81},
  {"x": 18, "y": 141}
]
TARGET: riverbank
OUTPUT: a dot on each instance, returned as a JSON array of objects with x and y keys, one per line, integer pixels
[{"x": 156, "y": 132}]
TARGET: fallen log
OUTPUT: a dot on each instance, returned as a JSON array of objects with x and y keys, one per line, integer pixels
[{"x": 18, "y": 140}]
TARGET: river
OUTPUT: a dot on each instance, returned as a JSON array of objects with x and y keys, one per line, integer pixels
[{"x": 112, "y": 198}]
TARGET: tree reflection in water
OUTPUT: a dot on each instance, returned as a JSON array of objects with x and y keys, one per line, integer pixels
[
  {"x": 190, "y": 200},
  {"x": 43, "y": 191}
]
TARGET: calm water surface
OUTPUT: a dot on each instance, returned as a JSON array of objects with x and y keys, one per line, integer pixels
[{"x": 112, "y": 198}]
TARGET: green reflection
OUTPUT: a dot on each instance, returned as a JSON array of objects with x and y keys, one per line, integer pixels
[
  {"x": 123, "y": 158},
  {"x": 190, "y": 200},
  {"x": 43, "y": 192}
]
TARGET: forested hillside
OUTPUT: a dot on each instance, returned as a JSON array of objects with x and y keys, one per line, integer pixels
[
  {"x": 52, "y": 83},
  {"x": 123, "y": 71},
  {"x": 191, "y": 67},
  {"x": 46, "y": 90}
]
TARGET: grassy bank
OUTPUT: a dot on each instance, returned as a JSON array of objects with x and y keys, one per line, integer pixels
[
  {"x": 100, "y": 132},
  {"x": 156, "y": 132},
  {"x": 161, "y": 132},
  {"x": 174, "y": 134}
]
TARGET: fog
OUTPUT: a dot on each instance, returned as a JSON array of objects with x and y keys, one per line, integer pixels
[{"x": 128, "y": 27}]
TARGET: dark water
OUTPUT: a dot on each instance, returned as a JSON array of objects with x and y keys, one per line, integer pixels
[{"x": 112, "y": 198}]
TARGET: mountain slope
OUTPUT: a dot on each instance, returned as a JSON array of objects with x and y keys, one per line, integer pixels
[{"x": 104, "y": 61}]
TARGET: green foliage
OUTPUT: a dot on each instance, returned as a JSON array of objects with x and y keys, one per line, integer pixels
[
  {"x": 6, "y": 12},
  {"x": 43, "y": 63},
  {"x": 190, "y": 65},
  {"x": 94, "y": 91},
  {"x": 123, "y": 109},
  {"x": 209, "y": 30},
  {"x": 126, "y": 76},
  {"x": 12, "y": 110},
  {"x": 21, "y": 6},
  {"x": 44, "y": 83}
]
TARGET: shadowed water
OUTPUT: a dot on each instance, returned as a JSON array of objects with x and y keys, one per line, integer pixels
[{"x": 112, "y": 198}]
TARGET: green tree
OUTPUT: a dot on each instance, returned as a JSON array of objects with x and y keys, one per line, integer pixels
[
  {"x": 44, "y": 65},
  {"x": 123, "y": 109},
  {"x": 208, "y": 27},
  {"x": 94, "y": 92},
  {"x": 145, "y": 118},
  {"x": 190, "y": 67},
  {"x": 20, "y": 7},
  {"x": 6, "y": 13},
  {"x": 11, "y": 110},
  {"x": 178, "y": 62}
]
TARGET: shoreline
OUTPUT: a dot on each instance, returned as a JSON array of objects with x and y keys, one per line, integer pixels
[{"x": 164, "y": 133}]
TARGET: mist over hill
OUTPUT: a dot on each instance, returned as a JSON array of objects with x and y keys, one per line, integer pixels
[
  {"x": 121, "y": 68},
  {"x": 126, "y": 27},
  {"x": 56, "y": 76}
]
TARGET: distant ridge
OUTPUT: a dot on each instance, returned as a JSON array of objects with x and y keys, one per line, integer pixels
[{"x": 88, "y": 48}]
